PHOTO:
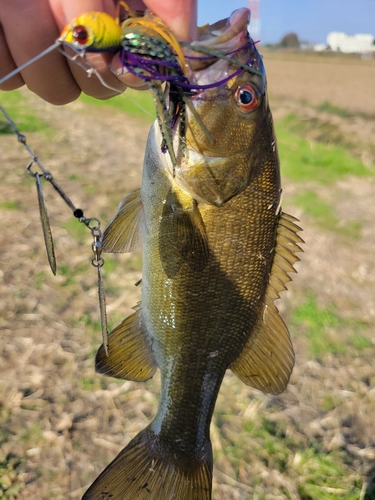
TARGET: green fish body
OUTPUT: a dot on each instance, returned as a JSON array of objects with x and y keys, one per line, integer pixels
[{"x": 217, "y": 251}]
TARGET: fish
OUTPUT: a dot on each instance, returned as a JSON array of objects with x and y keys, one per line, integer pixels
[{"x": 217, "y": 251}]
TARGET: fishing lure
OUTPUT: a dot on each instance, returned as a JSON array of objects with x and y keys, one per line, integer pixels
[{"x": 149, "y": 50}]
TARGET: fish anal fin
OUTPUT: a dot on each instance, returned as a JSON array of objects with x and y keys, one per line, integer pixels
[
  {"x": 130, "y": 354},
  {"x": 266, "y": 362},
  {"x": 149, "y": 468},
  {"x": 125, "y": 231}
]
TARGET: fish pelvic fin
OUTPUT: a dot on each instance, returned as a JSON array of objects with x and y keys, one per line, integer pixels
[
  {"x": 266, "y": 362},
  {"x": 148, "y": 468},
  {"x": 130, "y": 354},
  {"x": 125, "y": 231}
]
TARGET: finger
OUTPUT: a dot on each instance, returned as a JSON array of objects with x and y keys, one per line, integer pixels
[
  {"x": 64, "y": 12},
  {"x": 8, "y": 65},
  {"x": 29, "y": 28},
  {"x": 179, "y": 15},
  {"x": 124, "y": 76}
]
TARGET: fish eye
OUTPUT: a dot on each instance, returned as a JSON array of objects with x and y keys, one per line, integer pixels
[
  {"x": 247, "y": 97},
  {"x": 80, "y": 35}
]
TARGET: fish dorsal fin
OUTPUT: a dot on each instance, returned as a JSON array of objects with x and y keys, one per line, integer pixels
[
  {"x": 267, "y": 360},
  {"x": 125, "y": 231},
  {"x": 285, "y": 256},
  {"x": 130, "y": 354}
]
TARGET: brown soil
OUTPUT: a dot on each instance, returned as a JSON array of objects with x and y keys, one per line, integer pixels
[{"x": 346, "y": 82}]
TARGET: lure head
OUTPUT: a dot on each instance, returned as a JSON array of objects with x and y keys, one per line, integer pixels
[{"x": 93, "y": 32}]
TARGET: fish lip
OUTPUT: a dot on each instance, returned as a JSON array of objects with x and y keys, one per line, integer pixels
[
  {"x": 224, "y": 33},
  {"x": 229, "y": 37}
]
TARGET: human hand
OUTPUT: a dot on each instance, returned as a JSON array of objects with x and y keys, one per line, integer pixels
[{"x": 27, "y": 28}]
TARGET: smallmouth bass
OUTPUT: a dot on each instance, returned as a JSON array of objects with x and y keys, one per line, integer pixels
[{"x": 217, "y": 250}]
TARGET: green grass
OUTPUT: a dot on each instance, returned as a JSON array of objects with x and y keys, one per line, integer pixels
[
  {"x": 94, "y": 324},
  {"x": 132, "y": 103},
  {"x": 327, "y": 107},
  {"x": 323, "y": 130},
  {"x": 11, "y": 485},
  {"x": 304, "y": 161},
  {"x": 76, "y": 229},
  {"x": 316, "y": 322},
  {"x": 322, "y": 474},
  {"x": 10, "y": 205},
  {"x": 360, "y": 343},
  {"x": 22, "y": 115},
  {"x": 317, "y": 474},
  {"x": 327, "y": 331},
  {"x": 314, "y": 206},
  {"x": 94, "y": 383}
]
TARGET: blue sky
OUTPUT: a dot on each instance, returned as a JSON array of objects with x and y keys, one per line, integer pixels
[{"x": 312, "y": 20}]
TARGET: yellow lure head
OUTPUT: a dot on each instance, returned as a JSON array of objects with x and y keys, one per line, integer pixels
[
  {"x": 100, "y": 32},
  {"x": 94, "y": 32}
]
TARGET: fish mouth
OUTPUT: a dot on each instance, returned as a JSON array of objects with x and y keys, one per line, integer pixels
[
  {"x": 226, "y": 33},
  {"x": 219, "y": 47}
]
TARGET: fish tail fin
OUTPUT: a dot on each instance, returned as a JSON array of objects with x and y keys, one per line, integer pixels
[{"x": 150, "y": 469}]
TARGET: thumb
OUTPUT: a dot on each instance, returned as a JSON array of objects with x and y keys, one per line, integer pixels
[{"x": 179, "y": 15}]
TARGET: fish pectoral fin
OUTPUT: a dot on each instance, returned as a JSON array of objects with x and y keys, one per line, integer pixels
[
  {"x": 183, "y": 238},
  {"x": 130, "y": 354},
  {"x": 191, "y": 237},
  {"x": 125, "y": 231},
  {"x": 266, "y": 362}
]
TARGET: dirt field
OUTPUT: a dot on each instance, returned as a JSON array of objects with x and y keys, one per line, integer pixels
[
  {"x": 60, "y": 423},
  {"x": 346, "y": 82}
]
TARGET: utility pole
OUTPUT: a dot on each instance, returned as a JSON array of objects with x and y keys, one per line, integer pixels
[{"x": 255, "y": 20}]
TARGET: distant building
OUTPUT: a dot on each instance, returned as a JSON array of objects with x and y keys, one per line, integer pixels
[
  {"x": 320, "y": 47},
  {"x": 341, "y": 42}
]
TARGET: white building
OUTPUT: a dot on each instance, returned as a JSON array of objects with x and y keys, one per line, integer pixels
[{"x": 341, "y": 42}]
